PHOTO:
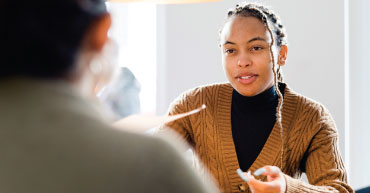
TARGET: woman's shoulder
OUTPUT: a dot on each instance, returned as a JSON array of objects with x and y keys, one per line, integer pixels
[
  {"x": 204, "y": 94},
  {"x": 207, "y": 89},
  {"x": 304, "y": 105},
  {"x": 305, "y": 115}
]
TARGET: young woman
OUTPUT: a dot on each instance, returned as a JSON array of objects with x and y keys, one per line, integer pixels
[{"x": 255, "y": 122}]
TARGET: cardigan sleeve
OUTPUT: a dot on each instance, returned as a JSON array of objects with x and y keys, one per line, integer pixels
[
  {"x": 323, "y": 163},
  {"x": 182, "y": 127}
]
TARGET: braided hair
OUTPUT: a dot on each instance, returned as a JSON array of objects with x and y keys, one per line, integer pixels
[{"x": 278, "y": 38}]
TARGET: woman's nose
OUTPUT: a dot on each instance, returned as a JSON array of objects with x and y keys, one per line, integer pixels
[{"x": 244, "y": 61}]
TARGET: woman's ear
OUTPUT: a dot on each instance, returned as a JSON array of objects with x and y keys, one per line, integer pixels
[
  {"x": 282, "y": 55},
  {"x": 89, "y": 67},
  {"x": 97, "y": 34}
]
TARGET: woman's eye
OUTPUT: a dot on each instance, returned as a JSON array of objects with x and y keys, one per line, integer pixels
[
  {"x": 256, "y": 48},
  {"x": 229, "y": 51}
]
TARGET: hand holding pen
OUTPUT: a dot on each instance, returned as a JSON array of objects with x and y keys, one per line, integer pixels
[{"x": 275, "y": 180}]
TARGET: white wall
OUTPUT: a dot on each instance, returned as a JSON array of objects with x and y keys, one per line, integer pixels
[
  {"x": 189, "y": 56},
  {"x": 359, "y": 62}
]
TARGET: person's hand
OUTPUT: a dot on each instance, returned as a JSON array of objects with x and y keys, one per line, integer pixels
[{"x": 275, "y": 180}]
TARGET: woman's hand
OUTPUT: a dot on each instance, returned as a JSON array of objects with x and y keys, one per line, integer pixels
[{"x": 275, "y": 180}]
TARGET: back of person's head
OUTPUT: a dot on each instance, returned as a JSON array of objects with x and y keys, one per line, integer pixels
[{"x": 42, "y": 38}]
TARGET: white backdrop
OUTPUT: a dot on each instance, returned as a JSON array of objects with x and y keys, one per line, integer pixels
[{"x": 359, "y": 97}]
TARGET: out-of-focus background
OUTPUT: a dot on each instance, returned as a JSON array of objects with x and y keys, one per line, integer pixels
[{"x": 173, "y": 48}]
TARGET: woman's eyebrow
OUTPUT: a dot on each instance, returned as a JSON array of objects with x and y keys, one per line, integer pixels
[
  {"x": 249, "y": 41},
  {"x": 228, "y": 42},
  {"x": 256, "y": 39}
]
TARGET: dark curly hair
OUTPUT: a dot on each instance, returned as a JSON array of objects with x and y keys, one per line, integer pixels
[
  {"x": 270, "y": 19},
  {"x": 42, "y": 38}
]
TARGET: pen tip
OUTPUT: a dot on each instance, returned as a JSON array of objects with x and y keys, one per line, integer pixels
[{"x": 203, "y": 106}]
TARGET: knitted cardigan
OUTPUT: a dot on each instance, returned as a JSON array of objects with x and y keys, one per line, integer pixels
[{"x": 309, "y": 137}]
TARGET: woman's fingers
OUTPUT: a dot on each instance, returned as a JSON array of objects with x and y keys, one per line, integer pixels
[
  {"x": 275, "y": 180},
  {"x": 258, "y": 186},
  {"x": 272, "y": 172},
  {"x": 260, "y": 171}
]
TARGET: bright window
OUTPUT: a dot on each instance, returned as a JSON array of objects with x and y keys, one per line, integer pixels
[{"x": 134, "y": 28}]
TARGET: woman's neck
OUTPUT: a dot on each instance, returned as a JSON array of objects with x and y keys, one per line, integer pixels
[{"x": 264, "y": 99}]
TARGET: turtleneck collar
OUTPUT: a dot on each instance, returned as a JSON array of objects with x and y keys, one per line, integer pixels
[{"x": 264, "y": 100}]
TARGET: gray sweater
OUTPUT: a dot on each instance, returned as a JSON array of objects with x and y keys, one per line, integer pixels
[{"x": 54, "y": 141}]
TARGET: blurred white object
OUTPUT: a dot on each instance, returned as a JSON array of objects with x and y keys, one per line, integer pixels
[
  {"x": 141, "y": 123},
  {"x": 122, "y": 95}
]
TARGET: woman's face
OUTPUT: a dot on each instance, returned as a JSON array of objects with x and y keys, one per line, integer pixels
[{"x": 245, "y": 46}]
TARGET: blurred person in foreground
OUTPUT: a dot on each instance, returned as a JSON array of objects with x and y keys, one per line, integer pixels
[{"x": 53, "y": 138}]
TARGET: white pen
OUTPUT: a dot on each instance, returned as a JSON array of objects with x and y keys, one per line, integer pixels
[{"x": 242, "y": 176}]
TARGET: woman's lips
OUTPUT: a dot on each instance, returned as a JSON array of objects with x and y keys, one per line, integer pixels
[{"x": 246, "y": 79}]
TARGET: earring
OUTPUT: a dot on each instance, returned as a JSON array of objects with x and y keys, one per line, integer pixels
[{"x": 282, "y": 60}]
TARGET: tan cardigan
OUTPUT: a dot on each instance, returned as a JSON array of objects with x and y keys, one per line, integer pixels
[{"x": 310, "y": 141}]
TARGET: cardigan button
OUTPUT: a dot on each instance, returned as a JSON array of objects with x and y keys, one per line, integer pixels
[{"x": 242, "y": 188}]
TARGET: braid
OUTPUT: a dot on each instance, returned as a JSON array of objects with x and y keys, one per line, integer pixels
[
  {"x": 278, "y": 37},
  {"x": 280, "y": 75},
  {"x": 278, "y": 110},
  {"x": 260, "y": 11}
]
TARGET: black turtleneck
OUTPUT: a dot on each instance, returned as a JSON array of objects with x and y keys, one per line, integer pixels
[{"x": 252, "y": 120}]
